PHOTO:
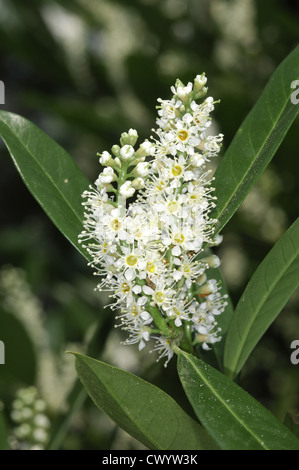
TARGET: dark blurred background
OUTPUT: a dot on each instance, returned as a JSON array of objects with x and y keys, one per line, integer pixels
[{"x": 84, "y": 71}]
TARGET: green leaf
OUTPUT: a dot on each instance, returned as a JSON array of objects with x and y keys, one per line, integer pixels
[
  {"x": 267, "y": 292},
  {"x": 257, "y": 140},
  {"x": 48, "y": 171},
  {"x": 140, "y": 408},
  {"x": 232, "y": 417}
]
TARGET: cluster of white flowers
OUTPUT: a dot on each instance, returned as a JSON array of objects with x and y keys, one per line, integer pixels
[
  {"x": 150, "y": 252},
  {"x": 31, "y": 431}
]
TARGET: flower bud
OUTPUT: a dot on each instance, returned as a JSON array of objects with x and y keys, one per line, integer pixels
[
  {"x": 209, "y": 288},
  {"x": 126, "y": 152},
  {"x": 116, "y": 150},
  {"x": 212, "y": 261},
  {"x": 129, "y": 138},
  {"x": 106, "y": 177},
  {"x": 145, "y": 149},
  {"x": 105, "y": 159},
  {"x": 117, "y": 162},
  {"x": 126, "y": 190},
  {"x": 199, "y": 88},
  {"x": 182, "y": 91},
  {"x": 138, "y": 183},
  {"x": 141, "y": 169}
]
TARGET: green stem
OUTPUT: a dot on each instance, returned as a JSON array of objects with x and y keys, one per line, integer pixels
[{"x": 159, "y": 321}]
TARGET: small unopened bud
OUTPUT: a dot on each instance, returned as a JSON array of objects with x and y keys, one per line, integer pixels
[
  {"x": 106, "y": 177},
  {"x": 201, "y": 279},
  {"x": 126, "y": 190},
  {"x": 105, "y": 159},
  {"x": 138, "y": 183},
  {"x": 199, "y": 86},
  {"x": 129, "y": 138},
  {"x": 126, "y": 152},
  {"x": 145, "y": 149},
  {"x": 209, "y": 288},
  {"x": 217, "y": 240},
  {"x": 182, "y": 91},
  {"x": 117, "y": 162},
  {"x": 212, "y": 261},
  {"x": 141, "y": 169},
  {"x": 116, "y": 150}
]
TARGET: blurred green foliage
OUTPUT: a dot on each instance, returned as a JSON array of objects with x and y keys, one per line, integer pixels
[{"x": 84, "y": 72}]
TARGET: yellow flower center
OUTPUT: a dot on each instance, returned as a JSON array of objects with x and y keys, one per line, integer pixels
[
  {"x": 176, "y": 311},
  {"x": 125, "y": 288},
  {"x": 159, "y": 297},
  {"x": 134, "y": 311},
  {"x": 176, "y": 170},
  {"x": 160, "y": 186},
  {"x": 179, "y": 238},
  {"x": 131, "y": 260},
  {"x": 173, "y": 206},
  {"x": 186, "y": 269},
  {"x": 183, "y": 135},
  {"x": 115, "y": 225},
  {"x": 150, "y": 267}
]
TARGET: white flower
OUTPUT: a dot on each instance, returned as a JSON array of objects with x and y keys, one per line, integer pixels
[
  {"x": 161, "y": 294},
  {"x": 212, "y": 144},
  {"x": 164, "y": 347},
  {"x": 138, "y": 334}
]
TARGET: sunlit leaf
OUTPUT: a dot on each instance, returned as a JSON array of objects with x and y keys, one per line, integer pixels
[{"x": 48, "y": 171}]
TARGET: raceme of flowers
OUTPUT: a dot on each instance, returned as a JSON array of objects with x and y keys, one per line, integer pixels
[{"x": 150, "y": 251}]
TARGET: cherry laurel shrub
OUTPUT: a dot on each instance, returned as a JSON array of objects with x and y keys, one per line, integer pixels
[{"x": 147, "y": 227}]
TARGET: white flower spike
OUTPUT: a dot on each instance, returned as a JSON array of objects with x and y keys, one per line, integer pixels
[{"x": 150, "y": 250}]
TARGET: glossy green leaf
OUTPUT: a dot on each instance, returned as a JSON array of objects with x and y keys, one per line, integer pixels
[
  {"x": 140, "y": 408},
  {"x": 48, "y": 171},
  {"x": 257, "y": 140},
  {"x": 267, "y": 292},
  {"x": 233, "y": 417}
]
